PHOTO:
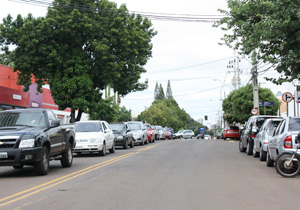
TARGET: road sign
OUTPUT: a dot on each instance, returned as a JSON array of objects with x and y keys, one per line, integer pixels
[
  {"x": 287, "y": 97},
  {"x": 254, "y": 111},
  {"x": 266, "y": 103}
]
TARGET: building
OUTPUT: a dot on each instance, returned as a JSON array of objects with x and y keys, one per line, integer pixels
[{"x": 12, "y": 96}]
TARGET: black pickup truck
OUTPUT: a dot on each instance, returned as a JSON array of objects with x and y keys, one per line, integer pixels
[{"x": 33, "y": 137}]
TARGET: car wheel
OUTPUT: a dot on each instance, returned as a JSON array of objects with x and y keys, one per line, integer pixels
[
  {"x": 270, "y": 162},
  {"x": 241, "y": 148},
  {"x": 254, "y": 153},
  {"x": 142, "y": 143},
  {"x": 67, "y": 157},
  {"x": 262, "y": 155},
  {"x": 125, "y": 145},
  {"x": 42, "y": 167},
  {"x": 113, "y": 148},
  {"x": 103, "y": 151},
  {"x": 249, "y": 149},
  {"x": 131, "y": 144}
]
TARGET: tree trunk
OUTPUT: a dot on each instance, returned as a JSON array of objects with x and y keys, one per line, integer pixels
[
  {"x": 79, "y": 115},
  {"x": 72, "y": 115}
]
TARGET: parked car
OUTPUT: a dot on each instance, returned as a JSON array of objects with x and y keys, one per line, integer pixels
[
  {"x": 139, "y": 131},
  {"x": 284, "y": 139},
  {"x": 123, "y": 134},
  {"x": 186, "y": 134},
  {"x": 219, "y": 134},
  {"x": 261, "y": 140},
  {"x": 207, "y": 136},
  {"x": 156, "y": 132},
  {"x": 249, "y": 132},
  {"x": 161, "y": 134},
  {"x": 231, "y": 132},
  {"x": 167, "y": 133},
  {"x": 150, "y": 131},
  {"x": 94, "y": 136},
  {"x": 200, "y": 136},
  {"x": 33, "y": 137}
]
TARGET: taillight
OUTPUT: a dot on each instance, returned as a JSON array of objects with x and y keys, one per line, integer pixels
[
  {"x": 288, "y": 142},
  {"x": 252, "y": 136}
]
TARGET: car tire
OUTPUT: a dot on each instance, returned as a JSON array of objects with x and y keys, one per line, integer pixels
[
  {"x": 269, "y": 161},
  {"x": 113, "y": 148},
  {"x": 241, "y": 148},
  {"x": 125, "y": 145},
  {"x": 67, "y": 157},
  {"x": 262, "y": 155},
  {"x": 18, "y": 167},
  {"x": 103, "y": 151},
  {"x": 249, "y": 149},
  {"x": 131, "y": 144},
  {"x": 254, "y": 152},
  {"x": 42, "y": 167},
  {"x": 142, "y": 143}
]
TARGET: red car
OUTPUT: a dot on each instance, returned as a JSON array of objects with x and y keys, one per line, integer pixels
[
  {"x": 232, "y": 132},
  {"x": 150, "y": 131},
  {"x": 167, "y": 133}
]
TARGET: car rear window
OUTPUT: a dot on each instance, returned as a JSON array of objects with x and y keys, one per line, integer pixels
[
  {"x": 294, "y": 124},
  {"x": 233, "y": 128},
  {"x": 260, "y": 121}
]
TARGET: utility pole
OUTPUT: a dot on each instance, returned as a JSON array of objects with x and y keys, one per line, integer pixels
[
  {"x": 236, "y": 70},
  {"x": 255, "y": 88}
]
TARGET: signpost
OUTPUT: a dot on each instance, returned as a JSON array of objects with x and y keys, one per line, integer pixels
[
  {"x": 254, "y": 111},
  {"x": 287, "y": 97},
  {"x": 266, "y": 103}
]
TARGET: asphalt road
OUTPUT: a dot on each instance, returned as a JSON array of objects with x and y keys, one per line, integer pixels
[{"x": 178, "y": 174}]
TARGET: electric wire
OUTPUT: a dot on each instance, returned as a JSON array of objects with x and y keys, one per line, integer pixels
[{"x": 149, "y": 15}]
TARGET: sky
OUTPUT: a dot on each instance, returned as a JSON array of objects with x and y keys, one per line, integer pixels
[{"x": 189, "y": 54}]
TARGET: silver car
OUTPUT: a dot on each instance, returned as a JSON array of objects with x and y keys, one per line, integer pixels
[
  {"x": 186, "y": 134},
  {"x": 161, "y": 134},
  {"x": 139, "y": 131},
  {"x": 261, "y": 140},
  {"x": 283, "y": 139}
]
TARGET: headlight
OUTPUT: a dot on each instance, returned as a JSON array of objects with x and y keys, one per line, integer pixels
[
  {"x": 26, "y": 143},
  {"x": 120, "y": 137},
  {"x": 94, "y": 140}
]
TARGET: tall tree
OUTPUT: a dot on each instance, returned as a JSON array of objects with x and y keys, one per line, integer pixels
[
  {"x": 79, "y": 48},
  {"x": 237, "y": 106},
  {"x": 161, "y": 94},
  {"x": 268, "y": 30},
  {"x": 169, "y": 91},
  {"x": 156, "y": 91}
]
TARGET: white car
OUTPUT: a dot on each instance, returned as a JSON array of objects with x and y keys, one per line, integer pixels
[
  {"x": 207, "y": 137},
  {"x": 161, "y": 134},
  {"x": 94, "y": 136},
  {"x": 139, "y": 131},
  {"x": 185, "y": 134}
]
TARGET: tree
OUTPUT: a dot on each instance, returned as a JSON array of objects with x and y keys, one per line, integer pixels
[
  {"x": 79, "y": 48},
  {"x": 169, "y": 91},
  {"x": 124, "y": 114},
  {"x": 268, "y": 30},
  {"x": 156, "y": 91},
  {"x": 237, "y": 106},
  {"x": 161, "y": 94},
  {"x": 168, "y": 113}
]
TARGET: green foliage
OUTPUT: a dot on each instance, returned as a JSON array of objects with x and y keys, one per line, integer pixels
[
  {"x": 124, "y": 114},
  {"x": 156, "y": 91},
  {"x": 161, "y": 94},
  {"x": 239, "y": 103},
  {"x": 78, "y": 50},
  {"x": 268, "y": 30},
  {"x": 169, "y": 91},
  {"x": 168, "y": 113}
]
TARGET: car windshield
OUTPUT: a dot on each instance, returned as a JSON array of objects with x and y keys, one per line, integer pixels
[
  {"x": 135, "y": 126},
  {"x": 88, "y": 127},
  {"x": 166, "y": 129},
  {"x": 117, "y": 128},
  {"x": 181, "y": 131},
  {"x": 32, "y": 119},
  {"x": 233, "y": 128},
  {"x": 294, "y": 124}
]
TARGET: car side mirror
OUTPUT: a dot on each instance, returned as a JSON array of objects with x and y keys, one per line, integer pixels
[
  {"x": 54, "y": 123},
  {"x": 107, "y": 131}
]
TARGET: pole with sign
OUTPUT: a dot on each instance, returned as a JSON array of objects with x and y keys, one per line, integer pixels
[{"x": 287, "y": 97}]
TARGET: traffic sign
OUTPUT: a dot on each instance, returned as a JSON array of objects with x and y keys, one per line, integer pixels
[
  {"x": 266, "y": 103},
  {"x": 287, "y": 97},
  {"x": 254, "y": 111}
]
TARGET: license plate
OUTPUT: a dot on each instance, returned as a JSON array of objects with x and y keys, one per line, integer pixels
[{"x": 3, "y": 154}]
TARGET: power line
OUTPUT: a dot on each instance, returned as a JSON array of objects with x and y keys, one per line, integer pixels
[{"x": 149, "y": 15}]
